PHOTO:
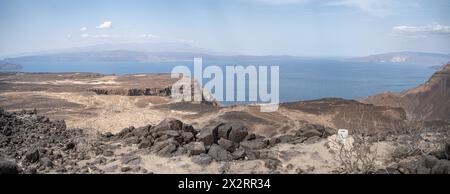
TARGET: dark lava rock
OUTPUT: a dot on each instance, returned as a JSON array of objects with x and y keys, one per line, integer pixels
[
  {"x": 238, "y": 154},
  {"x": 70, "y": 146},
  {"x": 208, "y": 135},
  {"x": 196, "y": 148},
  {"x": 8, "y": 167},
  {"x": 255, "y": 144},
  {"x": 169, "y": 133},
  {"x": 310, "y": 130},
  {"x": 131, "y": 159},
  {"x": 252, "y": 154},
  {"x": 310, "y": 133},
  {"x": 227, "y": 144},
  {"x": 219, "y": 154},
  {"x": 429, "y": 161},
  {"x": 249, "y": 137},
  {"x": 441, "y": 167},
  {"x": 423, "y": 170},
  {"x": 187, "y": 136},
  {"x": 167, "y": 150},
  {"x": 238, "y": 133},
  {"x": 32, "y": 156},
  {"x": 145, "y": 143},
  {"x": 223, "y": 131},
  {"x": 168, "y": 124},
  {"x": 274, "y": 141},
  {"x": 202, "y": 159},
  {"x": 125, "y": 169},
  {"x": 157, "y": 146},
  {"x": 272, "y": 164},
  {"x": 188, "y": 128}
]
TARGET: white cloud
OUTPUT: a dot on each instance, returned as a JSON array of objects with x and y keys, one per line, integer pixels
[
  {"x": 105, "y": 24},
  {"x": 83, "y": 29},
  {"x": 95, "y": 36},
  {"x": 434, "y": 29},
  {"x": 148, "y": 36}
]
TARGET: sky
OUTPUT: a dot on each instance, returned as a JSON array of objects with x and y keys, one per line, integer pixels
[{"x": 250, "y": 27}]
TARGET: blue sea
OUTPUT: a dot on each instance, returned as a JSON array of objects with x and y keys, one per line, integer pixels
[{"x": 300, "y": 79}]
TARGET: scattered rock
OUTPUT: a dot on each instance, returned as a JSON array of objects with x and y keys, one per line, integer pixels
[
  {"x": 423, "y": 170},
  {"x": 255, "y": 144},
  {"x": 274, "y": 141},
  {"x": 32, "y": 156},
  {"x": 125, "y": 169},
  {"x": 70, "y": 146},
  {"x": 441, "y": 167},
  {"x": 167, "y": 150},
  {"x": 285, "y": 138},
  {"x": 252, "y": 154},
  {"x": 168, "y": 124},
  {"x": 187, "y": 136},
  {"x": 219, "y": 154},
  {"x": 238, "y": 154},
  {"x": 188, "y": 128},
  {"x": 208, "y": 134},
  {"x": 202, "y": 159},
  {"x": 131, "y": 160},
  {"x": 272, "y": 164},
  {"x": 223, "y": 131},
  {"x": 310, "y": 133},
  {"x": 196, "y": 148},
  {"x": 227, "y": 144},
  {"x": 238, "y": 133},
  {"x": 145, "y": 143}
]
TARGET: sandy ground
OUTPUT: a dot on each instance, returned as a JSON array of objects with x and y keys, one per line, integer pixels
[{"x": 315, "y": 158}]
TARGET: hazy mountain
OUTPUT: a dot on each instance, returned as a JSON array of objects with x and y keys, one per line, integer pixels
[
  {"x": 430, "y": 59},
  {"x": 131, "y": 52},
  {"x": 6, "y": 66}
]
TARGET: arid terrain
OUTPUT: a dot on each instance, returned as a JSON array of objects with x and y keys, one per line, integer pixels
[{"x": 94, "y": 123}]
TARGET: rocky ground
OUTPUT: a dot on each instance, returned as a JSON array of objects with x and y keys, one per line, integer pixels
[{"x": 31, "y": 143}]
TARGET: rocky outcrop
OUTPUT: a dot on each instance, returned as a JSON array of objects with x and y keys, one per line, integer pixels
[
  {"x": 132, "y": 91},
  {"x": 168, "y": 138},
  {"x": 351, "y": 114},
  {"x": 37, "y": 144},
  {"x": 429, "y": 101},
  {"x": 308, "y": 133}
]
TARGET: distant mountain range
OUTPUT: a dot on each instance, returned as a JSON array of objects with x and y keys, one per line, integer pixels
[
  {"x": 5, "y": 66},
  {"x": 132, "y": 52},
  {"x": 155, "y": 52},
  {"x": 431, "y": 59}
]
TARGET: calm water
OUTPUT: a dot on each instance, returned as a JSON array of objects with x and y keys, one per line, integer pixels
[{"x": 300, "y": 79}]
